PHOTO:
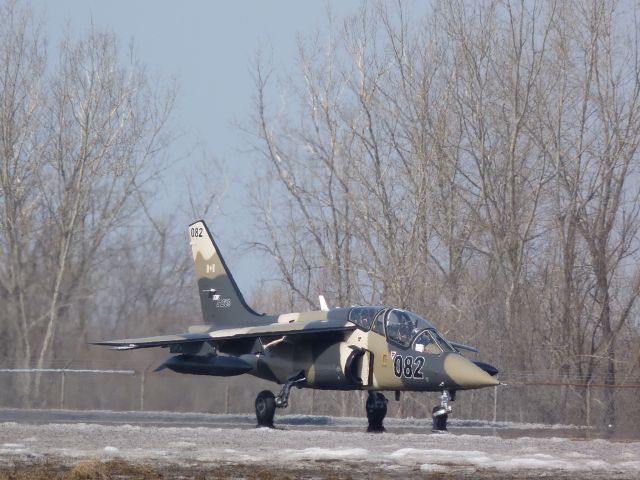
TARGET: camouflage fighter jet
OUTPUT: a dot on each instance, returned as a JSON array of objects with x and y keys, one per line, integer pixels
[{"x": 372, "y": 348}]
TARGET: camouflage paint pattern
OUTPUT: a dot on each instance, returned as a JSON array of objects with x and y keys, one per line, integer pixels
[
  {"x": 325, "y": 363},
  {"x": 323, "y": 347},
  {"x": 221, "y": 301}
]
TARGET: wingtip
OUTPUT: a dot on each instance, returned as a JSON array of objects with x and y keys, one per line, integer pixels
[
  {"x": 161, "y": 367},
  {"x": 115, "y": 345},
  {"x": 131, "y": 346}
]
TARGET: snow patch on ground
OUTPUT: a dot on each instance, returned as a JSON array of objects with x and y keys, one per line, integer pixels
[
  {"x": 433, "y": 468},
  {"x": 182, "y": 444},
  {"x": 315, "y": 453}
]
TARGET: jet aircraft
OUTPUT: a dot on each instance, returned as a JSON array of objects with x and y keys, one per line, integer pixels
[{"x": 372, "y": 348}]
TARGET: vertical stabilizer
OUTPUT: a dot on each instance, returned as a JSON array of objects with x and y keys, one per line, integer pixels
[{"x": 222, "y": 303}]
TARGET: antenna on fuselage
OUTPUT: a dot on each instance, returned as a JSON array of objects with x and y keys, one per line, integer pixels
[{"x": 323, "y": 303}]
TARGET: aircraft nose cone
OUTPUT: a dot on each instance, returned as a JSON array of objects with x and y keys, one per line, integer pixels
[{"x": 465, "y": 374}]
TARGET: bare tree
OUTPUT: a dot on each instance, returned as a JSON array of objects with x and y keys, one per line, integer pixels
[
  {"x": 81, "y": 142},
  {"x": 22, "y": 65},
  {"x": 483, "y": 160},
  {"x": 595, "y": 151}
]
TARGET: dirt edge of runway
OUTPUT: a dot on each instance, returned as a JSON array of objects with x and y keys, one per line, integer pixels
[{"x": 96, "y": 469}]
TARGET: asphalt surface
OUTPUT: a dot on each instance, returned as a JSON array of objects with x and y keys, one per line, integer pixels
[
  {"x": 106, "y": 417},
  {"x": 293, "y": 422}
]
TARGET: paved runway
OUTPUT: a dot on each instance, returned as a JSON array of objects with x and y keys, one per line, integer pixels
[
  {"x": 190, "y": 419},
  {"x": 105, "y": 417}
]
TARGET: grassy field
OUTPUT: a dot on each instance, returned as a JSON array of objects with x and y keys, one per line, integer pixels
[{"x": 95, "y": 469}]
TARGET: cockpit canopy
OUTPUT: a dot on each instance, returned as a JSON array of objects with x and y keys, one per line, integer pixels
[{"x": 404, "y": 328}]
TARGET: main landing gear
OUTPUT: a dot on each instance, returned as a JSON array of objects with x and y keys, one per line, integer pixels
[
  {"x": 441, "y": 412},
  {"x": 376, "y": 411},
  {"x": 266, "y": 401},
  {"x": 265, "y": 408}
]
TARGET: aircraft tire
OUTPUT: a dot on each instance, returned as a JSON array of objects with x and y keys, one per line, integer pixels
[
  {"x": 265, "y": 408},
  {"x": 376, "y": 411},
  {"x": 439, "y": 420}
]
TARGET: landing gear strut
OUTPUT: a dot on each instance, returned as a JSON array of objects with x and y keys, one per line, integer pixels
[
  {"x": 376, "y": 411},
  {"x": 282, "y": 400},
  {"x": 266, "y": 401},
  {"x": 441, "y": 413}
]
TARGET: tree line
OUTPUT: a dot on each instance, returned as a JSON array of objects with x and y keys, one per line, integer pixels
[
  {"x": 478, "y": 165},
  {"x": 84, "y": 136}
]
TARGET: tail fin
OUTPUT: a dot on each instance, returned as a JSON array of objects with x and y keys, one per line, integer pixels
[{"x": 221, "y": 300}]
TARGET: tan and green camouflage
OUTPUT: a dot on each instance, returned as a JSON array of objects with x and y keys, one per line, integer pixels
[{"x": 322, "y": 348}]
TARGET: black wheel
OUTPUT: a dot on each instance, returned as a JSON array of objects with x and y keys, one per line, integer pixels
[
  {"x": 376, "y": 411},
  {"x": 265, "y": 408},
  {"x": 440, "y": 417}
]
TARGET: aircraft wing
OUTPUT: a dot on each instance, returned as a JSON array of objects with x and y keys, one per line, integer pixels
[{"x": 269, "y": 330}]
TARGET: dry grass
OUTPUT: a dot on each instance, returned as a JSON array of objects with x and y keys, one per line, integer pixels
[
  {"x": 116, "y": 469},
  {"x": 94, "y": 469},
  {"x": 86, "y": 470},
  {"x": 97, "y": 470}
]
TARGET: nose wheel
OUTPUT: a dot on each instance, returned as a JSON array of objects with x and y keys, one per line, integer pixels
[
  {"x": 376, "y": 411},
  {"x": 441, "y": 412}
]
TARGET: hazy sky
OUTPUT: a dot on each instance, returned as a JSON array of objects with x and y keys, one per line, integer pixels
[{"x": 209, "y": 47}]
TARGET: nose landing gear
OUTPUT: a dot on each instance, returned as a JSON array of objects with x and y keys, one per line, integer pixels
[{"x": 441, "y": 412}]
